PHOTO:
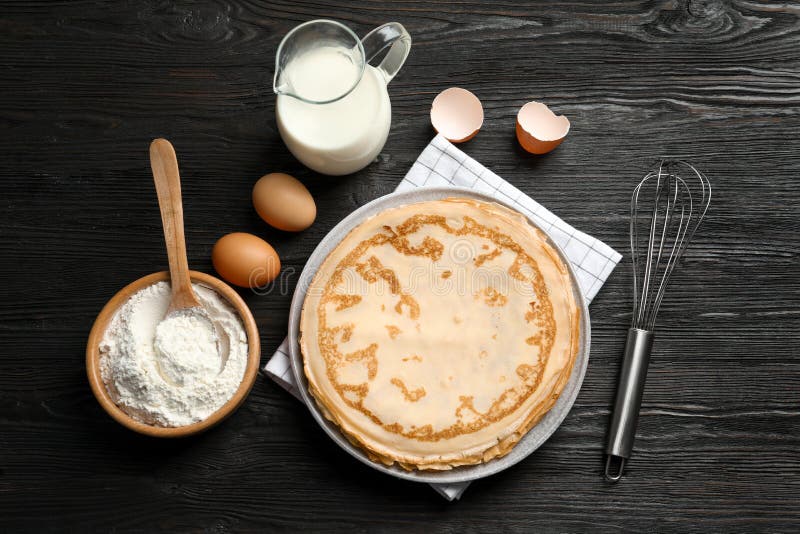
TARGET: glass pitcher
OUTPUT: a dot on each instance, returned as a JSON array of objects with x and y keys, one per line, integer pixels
[{"x": 333, "y": 108}]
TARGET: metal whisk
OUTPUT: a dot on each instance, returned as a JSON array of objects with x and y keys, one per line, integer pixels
[{"x": 666, "y": 208}]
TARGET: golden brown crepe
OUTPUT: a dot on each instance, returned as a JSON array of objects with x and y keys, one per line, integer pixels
[{"x": 438, "y": 333}]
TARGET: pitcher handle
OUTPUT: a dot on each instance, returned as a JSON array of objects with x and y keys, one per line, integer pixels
[{"x": 390, "y": 34}]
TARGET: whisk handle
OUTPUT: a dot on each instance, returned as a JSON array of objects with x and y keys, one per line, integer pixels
[{"x": 629, "y": 400}]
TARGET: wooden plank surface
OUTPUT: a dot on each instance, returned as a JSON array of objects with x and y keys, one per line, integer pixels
[{"x": 85, "y": 86}]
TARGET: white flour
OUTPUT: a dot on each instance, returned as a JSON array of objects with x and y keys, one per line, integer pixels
[
  {"x": 187, "y": 348},
  {"x": 185, "y": 380}
]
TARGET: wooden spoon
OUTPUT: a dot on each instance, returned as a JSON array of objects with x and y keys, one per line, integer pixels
[{"x": 164, "y": 164}]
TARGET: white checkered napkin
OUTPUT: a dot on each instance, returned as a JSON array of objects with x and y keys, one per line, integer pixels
[{"x": 440, "y": 164}]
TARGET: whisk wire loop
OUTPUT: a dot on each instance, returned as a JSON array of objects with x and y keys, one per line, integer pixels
[{"x": 669, "y": 202}]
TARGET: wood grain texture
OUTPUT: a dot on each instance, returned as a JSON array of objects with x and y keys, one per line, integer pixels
[{"x": 86, "y": 85}]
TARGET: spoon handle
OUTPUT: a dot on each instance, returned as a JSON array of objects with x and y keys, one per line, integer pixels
[{"x": 168, "y": 188}]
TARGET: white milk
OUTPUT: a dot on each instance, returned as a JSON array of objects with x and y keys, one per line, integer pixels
[{"x": 340, "y": 137}]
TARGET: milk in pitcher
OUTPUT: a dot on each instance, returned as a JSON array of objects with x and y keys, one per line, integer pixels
[{"x": 341, "y": 136}]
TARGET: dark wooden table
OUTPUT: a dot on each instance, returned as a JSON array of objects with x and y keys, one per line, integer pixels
[{"x": 86, "y": 85}]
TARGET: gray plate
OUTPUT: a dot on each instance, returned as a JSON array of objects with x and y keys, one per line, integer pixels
[{"x": 529, "y": 443}]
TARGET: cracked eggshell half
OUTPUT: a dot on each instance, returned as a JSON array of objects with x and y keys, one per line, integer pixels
[
  {"x": 539, "y": 130},
  {"x": 457, "y": 114}
]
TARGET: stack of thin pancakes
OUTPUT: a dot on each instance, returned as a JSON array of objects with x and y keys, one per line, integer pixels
[{"x": 438, "y": 333}]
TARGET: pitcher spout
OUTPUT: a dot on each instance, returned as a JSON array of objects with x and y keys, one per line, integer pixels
[{"x": 280, "y": 86}]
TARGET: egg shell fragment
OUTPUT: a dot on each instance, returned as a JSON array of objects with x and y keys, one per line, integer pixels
[
  {"x": 245, "y": 260},
  {"x": 284, "y": 202},
  {"x": 539, "y": 130},
  {"x": 457, "y": 114}
]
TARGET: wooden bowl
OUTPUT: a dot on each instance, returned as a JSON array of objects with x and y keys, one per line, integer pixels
[{"x": 102, "y": 322}]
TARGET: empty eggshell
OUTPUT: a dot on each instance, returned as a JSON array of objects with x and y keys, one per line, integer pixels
[
  {"x": 457, "y": 114},
  {"x": 284, "y": 202},
  {"x": 245, "y": 260},
  {"x": 539, "y": 130}
]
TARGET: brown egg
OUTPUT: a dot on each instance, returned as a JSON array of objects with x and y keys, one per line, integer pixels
[
  {"x": 457, "y": 114},
  {"x": 245, "y": 260},
  {"x": 539, "y": 130},
  {"x": 283, "y": 202}
]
